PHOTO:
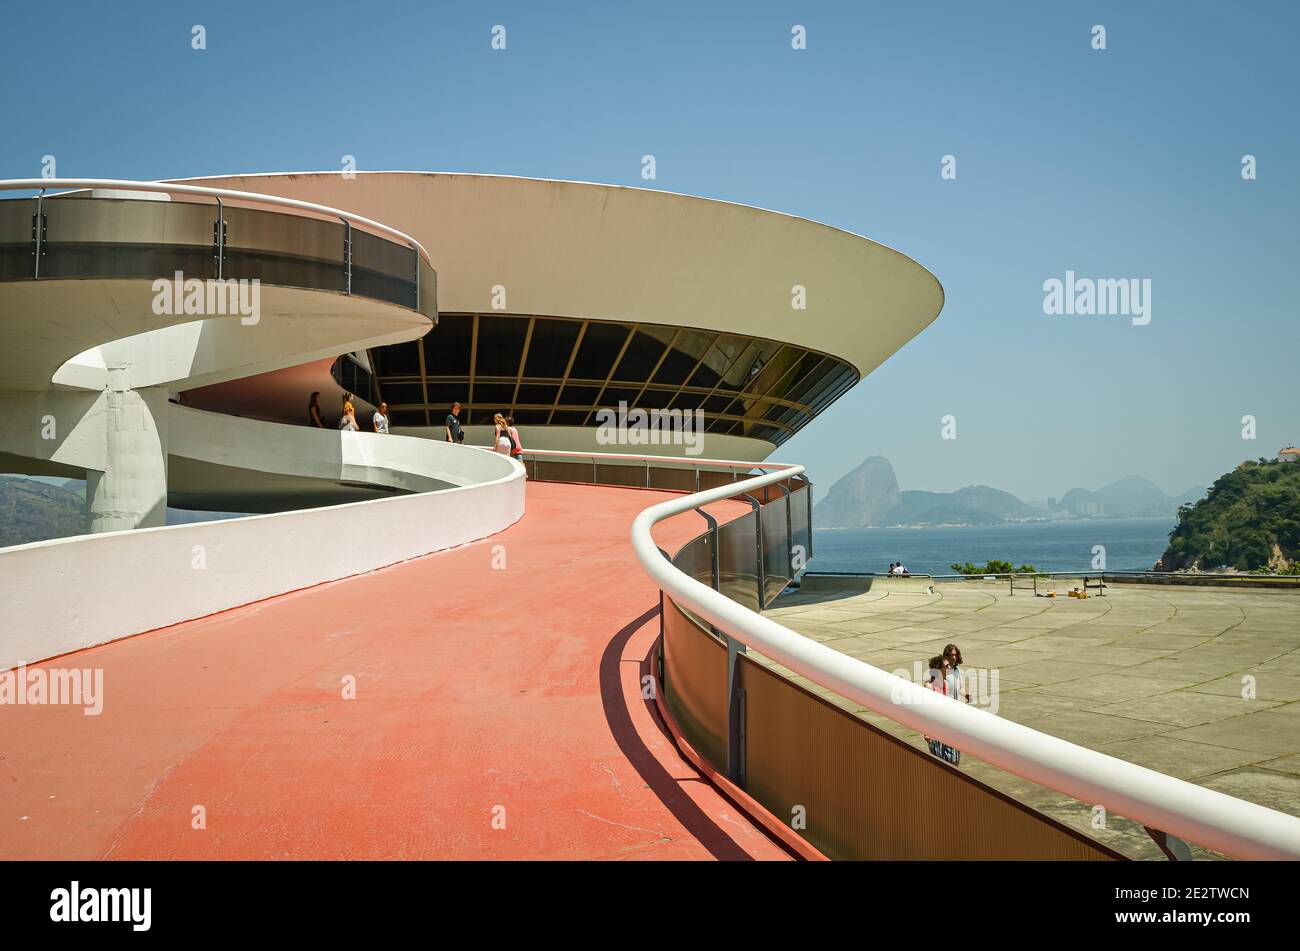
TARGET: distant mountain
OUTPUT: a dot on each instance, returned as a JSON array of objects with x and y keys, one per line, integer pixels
[
  {"x": 32, "y": 511},
  {"x": 973, "y": 505},
  {"x": 869, "y": 497},
  {"x": 1250, "y": 519},
  {"x": 1130, "y": 497},
  {"x": 861, "y": 498}
]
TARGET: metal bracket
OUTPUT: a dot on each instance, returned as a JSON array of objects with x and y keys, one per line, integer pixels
[
  {"x": 760, "y": 563},
  {"x": 347, "y": 256},
  {"x": 219, "y": 239},
  {"x": 789, "y": 528},
  {"x": 1175, "y": 849},
  {"x": 39, "y": 225},
  {"x": 809, "y": 490}
]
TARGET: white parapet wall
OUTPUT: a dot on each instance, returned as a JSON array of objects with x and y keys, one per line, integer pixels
[{"x": 67, "y": 594}]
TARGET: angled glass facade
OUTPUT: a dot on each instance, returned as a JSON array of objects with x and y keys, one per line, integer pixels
[{"x": 559, "y": 371}]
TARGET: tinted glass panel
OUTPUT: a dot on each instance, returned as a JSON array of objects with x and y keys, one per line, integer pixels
[
  {"x": 500, "y": 344},
  {"x": 579, "y": 395},
  {"x": 543, "y": 393},
  {"x": 598, "y": 350},
  {"x": 494, "y": 393},
  {"x": 568, "y": 418},
  {"x": 446, "y": 347},
  {"x": 397, "y": 393},
  {"x": 552, "y": 342},
  {"x": 442, "y": 395},
  {"x": 400, "y": 359},
  {"x": 640, "y": 358}
]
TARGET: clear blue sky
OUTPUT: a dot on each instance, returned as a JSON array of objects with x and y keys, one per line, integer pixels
[{"x": 1121, "y": 163}]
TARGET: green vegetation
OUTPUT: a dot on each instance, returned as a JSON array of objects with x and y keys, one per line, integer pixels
[
  {"x": 1250, "y": 521},
  {"x": 994, "y": 567}
]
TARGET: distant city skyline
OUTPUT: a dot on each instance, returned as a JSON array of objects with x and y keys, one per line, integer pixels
[{"x": 1116, "y": 164}]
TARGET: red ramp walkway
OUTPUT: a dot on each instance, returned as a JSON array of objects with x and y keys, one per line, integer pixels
[{"x": 482, "y": 692}]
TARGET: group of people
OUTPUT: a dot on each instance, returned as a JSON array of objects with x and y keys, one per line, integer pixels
[
  {"x": 946, "y": 677},
  {"x": 505, "y": 438},
  {"x": 896, "y": 568},
  {"x": 348, "y": 417}
]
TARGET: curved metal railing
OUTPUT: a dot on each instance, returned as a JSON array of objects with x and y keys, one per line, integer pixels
[
  {"x": 81, "y": 234},
  {"x": 1160, "y": 802},
  {"x": 170, "y": 188}
]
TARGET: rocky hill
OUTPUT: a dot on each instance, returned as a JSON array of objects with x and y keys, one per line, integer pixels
[
  {"x": 861, "y": 498},
  {"x": 32, "y": 511},
  {"x": 1249, "y": 520}
]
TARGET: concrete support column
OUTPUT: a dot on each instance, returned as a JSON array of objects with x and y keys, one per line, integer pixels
[{"x": 131, "y": 492}]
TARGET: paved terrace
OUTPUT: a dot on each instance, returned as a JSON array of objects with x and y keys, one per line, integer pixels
[
  {"x": 1153, "y": 675},
  {"x": 479, "y": 684}
]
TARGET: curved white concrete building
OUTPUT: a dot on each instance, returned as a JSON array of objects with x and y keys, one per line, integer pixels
[{"x": 558, "y": 299}]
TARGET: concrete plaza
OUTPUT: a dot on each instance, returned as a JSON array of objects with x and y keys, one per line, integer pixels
[{"x": 1201, "y": 683}]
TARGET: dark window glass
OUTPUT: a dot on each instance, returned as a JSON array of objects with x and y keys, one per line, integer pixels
[
  {"x": 681, "y": 360},
  {"x": 774, "y": 371},
  {"x": 400, "y": 359},
  {"x": 568, "y": 418},
  {"x": 598, "y": 350},
  {"x": 397, "y": 393},
  {"x": 639, "y": 359},
  {"x": 655, "y": 399},
  {"x": 721, "y": 426},
  {"x": 447, "y": 346},
  {"x": 537, "y": 393},
  {"x": 717, "y": 404},
  {"x": 688, "y": 400},
  {"x": 718, "y": 361},
  {"x": 442, "y": 395},
  {"x": 500, "y": 344},
  {"x": 531, "y": 417},
  {"x": 407, "y": 417},
  {"x": 613, "y": 394},
  {"x": 579, "y": 395},
  {"x": 493, "y": 393},
  {"x": 548, "y": 352}
]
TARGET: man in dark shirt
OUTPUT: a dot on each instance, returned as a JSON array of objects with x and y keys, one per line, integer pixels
[{"x": 454, "y": 432}]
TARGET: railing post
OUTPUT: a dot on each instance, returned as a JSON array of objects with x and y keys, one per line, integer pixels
[
  {"x": 809, "y": 490},
  {"x": 714, "y": 563},
  {"x": 416, "y": 251},
  {"x": 735, "y": 693},
  {"x": 789, "y": 528},
  {"x": 38, "y": 233},
  {"x": 219, "y": 238},
  {"x": 647, "y": 473},
  {"x": 760, "y": 564},
  {"x": 347, "y": 257},
  {"x": 735, "y": 714}
]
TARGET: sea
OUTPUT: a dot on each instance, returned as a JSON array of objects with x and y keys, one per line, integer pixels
[{"x": 1131, "y": 544}]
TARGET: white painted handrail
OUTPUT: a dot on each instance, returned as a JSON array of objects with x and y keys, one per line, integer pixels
[
  {"x": 43, "y": 184},
  {"x": 653, "y": 460},
  {"x": 1231, "y": 826}
]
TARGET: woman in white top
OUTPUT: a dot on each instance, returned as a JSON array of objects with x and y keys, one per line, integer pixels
[
  {"x": 380, "y": 421},
  {"x": 501, "y": 440}
]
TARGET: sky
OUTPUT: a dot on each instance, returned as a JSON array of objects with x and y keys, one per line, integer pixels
[{"x": 1117, "y": 163}]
